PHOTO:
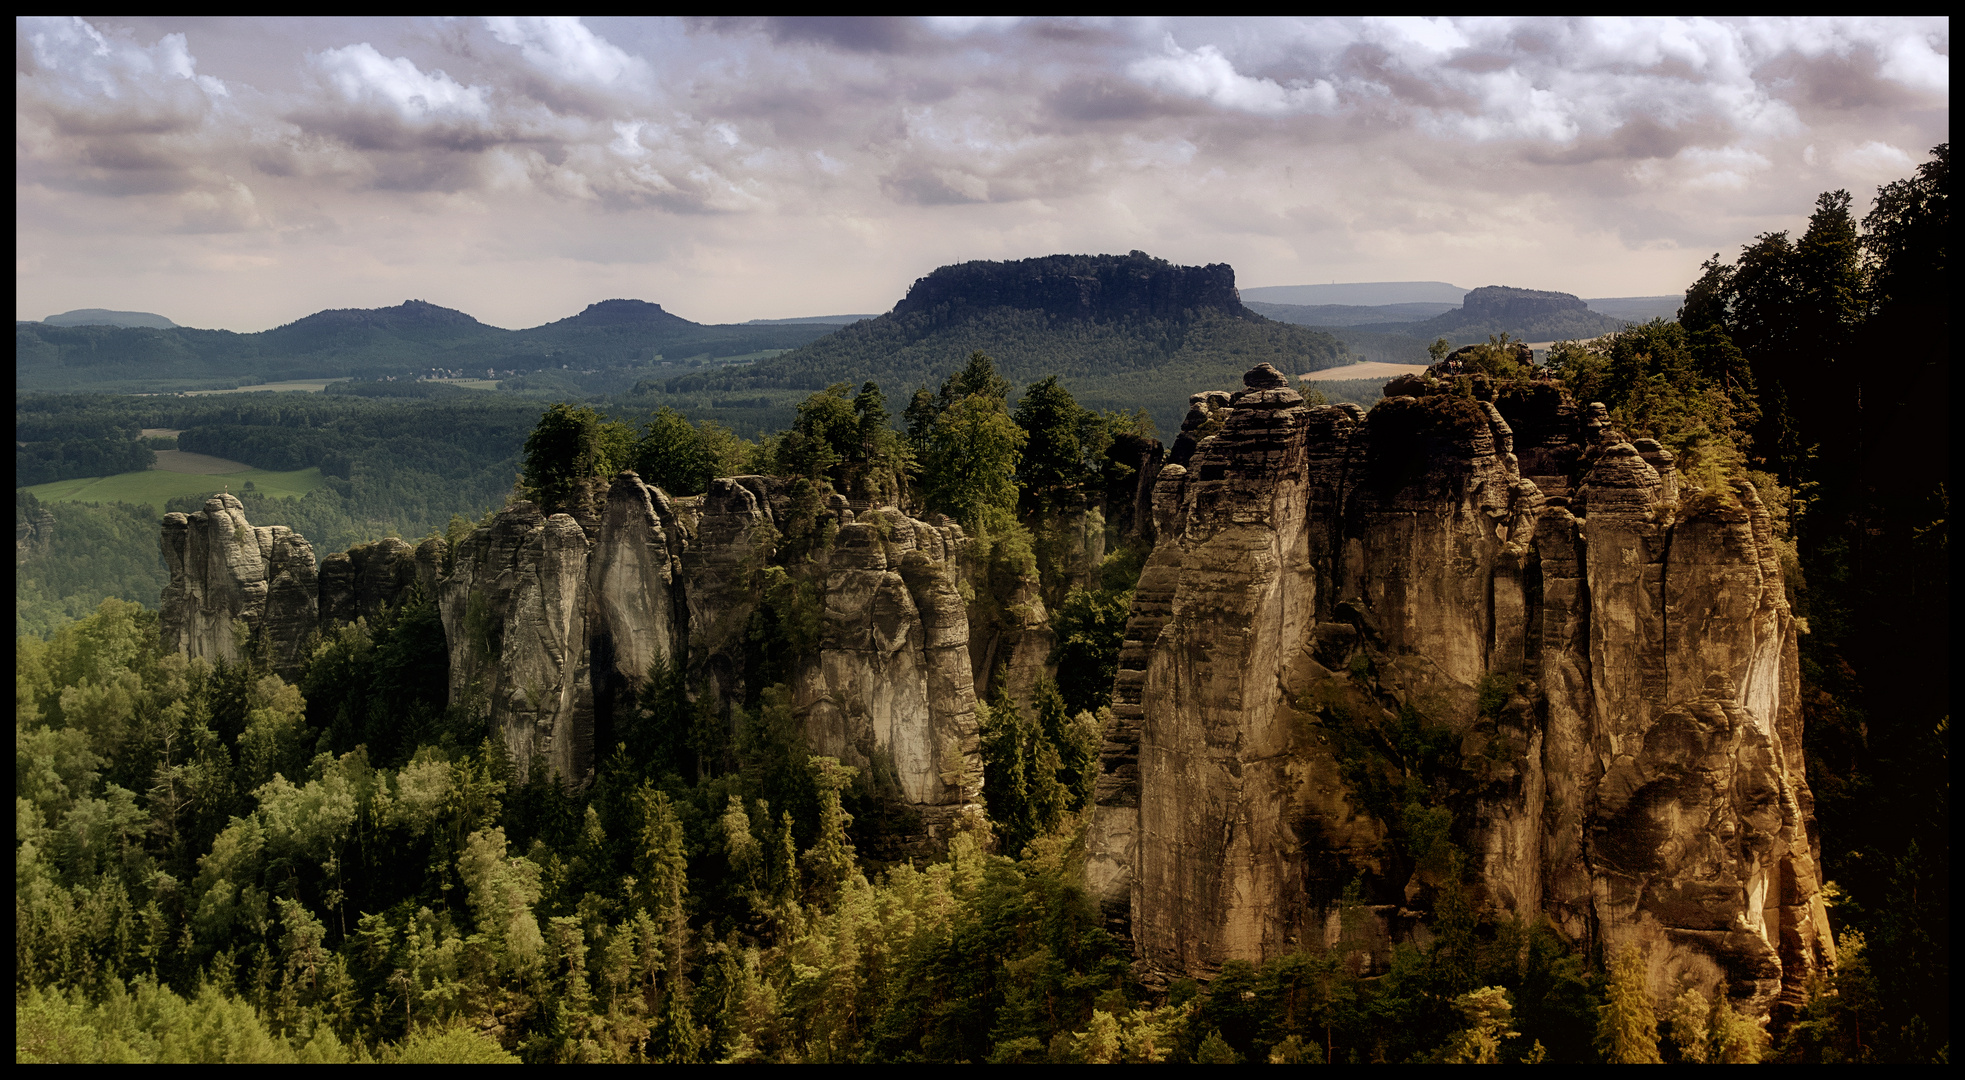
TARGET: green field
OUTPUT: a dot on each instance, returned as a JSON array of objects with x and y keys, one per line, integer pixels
[
  {"x": 311, "y": 386},
  {"x": 152, "y": 487}
]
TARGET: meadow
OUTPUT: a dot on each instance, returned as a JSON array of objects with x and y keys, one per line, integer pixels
[{"x": 155, "y": 487}]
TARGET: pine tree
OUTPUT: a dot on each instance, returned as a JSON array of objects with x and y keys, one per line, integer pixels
[
  {"x": 1690, "y": 1036},
  {"x": 661, "y": 862},
  {"x": 832, "y": 858},
  {"x": 1490, "y": 1016},
  {"x": 1627, "y": 1029}
]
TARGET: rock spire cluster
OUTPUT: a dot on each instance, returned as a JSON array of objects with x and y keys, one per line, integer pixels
[
  {"x": 1479, "y": 604},
  {"x": 1605, "y": 658}
]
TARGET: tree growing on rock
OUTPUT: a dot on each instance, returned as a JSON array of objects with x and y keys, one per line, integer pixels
[{"x": 571, "y": 443}]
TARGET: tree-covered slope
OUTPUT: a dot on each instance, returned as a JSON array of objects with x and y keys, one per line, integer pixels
[
  {"x": 413, "y": 338},
  {"x": 1124, "y": 332}
]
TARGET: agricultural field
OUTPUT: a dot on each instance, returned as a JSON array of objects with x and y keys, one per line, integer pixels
[
  {"x": 311, "y": 386},
  {"x": 1371, "y": 369},
  {"x": 179, "y": 473}
]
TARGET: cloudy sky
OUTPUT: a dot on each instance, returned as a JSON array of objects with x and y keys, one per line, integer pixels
[{"x": 243, "y": 173}]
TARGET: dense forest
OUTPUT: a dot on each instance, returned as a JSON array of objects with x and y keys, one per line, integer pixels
[
  {"x": 1123, "y": 332},
  {"x": 213, "y": 864}
]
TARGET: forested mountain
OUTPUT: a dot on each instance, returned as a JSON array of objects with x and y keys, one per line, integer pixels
[
  {"x": 105, "y": 317},
  {"x": 1123, "y": 331},
  {"x": 1525, "y": 314},
  {"x": 410, "y": 340},
  {"x": 1358, "y": 293}
]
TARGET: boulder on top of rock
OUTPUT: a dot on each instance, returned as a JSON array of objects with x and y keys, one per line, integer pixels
[{"x": 1265, "y": 377}]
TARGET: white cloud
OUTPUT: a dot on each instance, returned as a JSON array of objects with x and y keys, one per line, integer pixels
[
  {"x": 1207, "y": 74},
  {"x": 1418, "y": 38},
  {"x": 1876, "y": 158},
  {"x": 1363, "y": 142},
  {"x": 960, "y": 25},
  {"x": 361, "y": 75},
  {"x": 564, "y": 48},
  {"x": 115, "y": 67}
]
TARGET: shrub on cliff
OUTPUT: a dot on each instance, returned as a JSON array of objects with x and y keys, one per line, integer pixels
[{"x": 571, "y": 443}]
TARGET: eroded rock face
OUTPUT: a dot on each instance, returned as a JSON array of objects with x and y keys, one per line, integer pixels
[
  {"x": 515, "y": 616},
  {"x": 890, "y": 688},
  {"x": 33, "y": 536},
  {"x": 366, "y": 580},
  {"x": 223, "y": 570},
  {"x": 553, "y": 627},
  {"x": 553, "y": 622},
  {"x": 1607, "y": 678}
]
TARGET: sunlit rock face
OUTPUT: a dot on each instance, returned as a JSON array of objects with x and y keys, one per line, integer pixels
[
  {"x": 553, "y": 622},
  {"x": 235, "y": 586},
  {"x": 515, "y": 616},
  {"x": 891, "y": 688},
  {"x": 553, "y": 627},
  {"x": 225, "y": 571},
  {"x": 1600, "y": 687}
]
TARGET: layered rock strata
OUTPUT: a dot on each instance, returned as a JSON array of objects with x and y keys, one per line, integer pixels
[
  {"x": 553, "y": 622},
  {"x": 554, "y": 627},
  {"x": 1607, "y": 679},
  {"x": 234, "y": 585}
]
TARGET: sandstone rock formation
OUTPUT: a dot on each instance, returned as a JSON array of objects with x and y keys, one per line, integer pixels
[
  {"x": 554, "y": 627},
  {"x": 1606, "y": 677},
  {"x": 224, "y": 570},
  {"x": 33, "y": 535},
  {"x": 552, "y": 622}
]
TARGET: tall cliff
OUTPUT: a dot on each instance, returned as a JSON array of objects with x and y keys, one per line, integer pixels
[
  {"x": 554, "y": 626},
  {"x": 1499, "y": 608},
  {"x": 234, "y": 585},
  {"x": 553, "y": 622}
]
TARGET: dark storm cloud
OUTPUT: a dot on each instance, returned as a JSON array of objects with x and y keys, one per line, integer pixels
[
  {"x": 1109, "y": 99},
  {"x": 860, "y": 33}
]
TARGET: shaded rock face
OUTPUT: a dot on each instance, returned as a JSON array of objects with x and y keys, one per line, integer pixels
[
  {"x": 365, "y": 581},
  {"x": 223, "y": 570},
  {"x": 1078, "y": 287},
  {"x": 1611, "y": 676},
  {"x": 553, "y": 628},
  {"x": 34, "y": 536}
]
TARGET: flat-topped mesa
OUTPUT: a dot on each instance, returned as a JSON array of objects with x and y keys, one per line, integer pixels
[
  {"x": 1607, "y": 677},
  {"x": 224, "y": 570}
]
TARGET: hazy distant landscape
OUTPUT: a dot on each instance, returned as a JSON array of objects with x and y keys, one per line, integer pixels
[{"x": 1304, "y": 541}]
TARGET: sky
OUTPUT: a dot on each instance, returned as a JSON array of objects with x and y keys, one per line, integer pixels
[{"x": 242, "y": 173}]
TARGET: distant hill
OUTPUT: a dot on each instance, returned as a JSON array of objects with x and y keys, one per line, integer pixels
[
  {"x": 630, "y": 337},
  {"x": 1638, "y": 308},
  {"x": 1358, "y": 293},
  {"x": 830, "y": 320},
  {"x": 1124, "y": 331},
  {"x": 1347, "y": 314},
  {"x": 1529, "y": 314},
  {"x": 93, "y": 316}
]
